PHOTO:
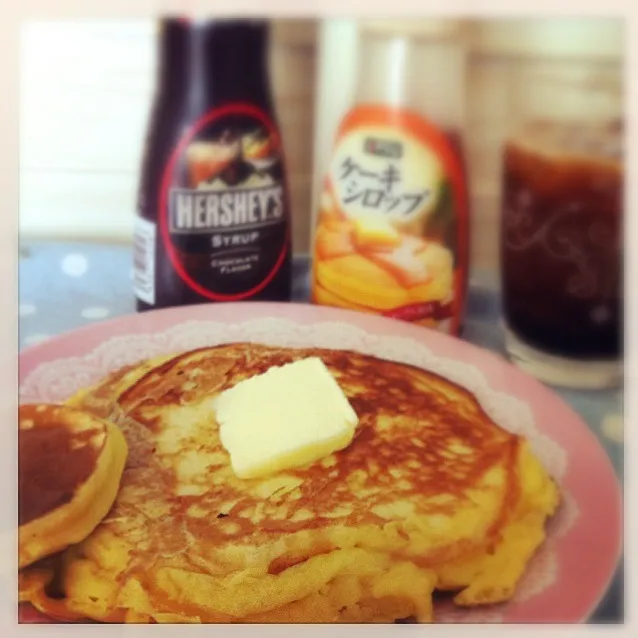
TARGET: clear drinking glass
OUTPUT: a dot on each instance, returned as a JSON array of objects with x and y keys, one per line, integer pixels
[{"x": 562, "y": 226}]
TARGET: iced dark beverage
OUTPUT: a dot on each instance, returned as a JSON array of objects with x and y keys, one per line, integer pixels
[{"x": 562, "y": 240}]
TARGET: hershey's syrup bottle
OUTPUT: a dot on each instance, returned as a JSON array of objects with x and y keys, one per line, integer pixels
[{"x": 214, "y": 216}]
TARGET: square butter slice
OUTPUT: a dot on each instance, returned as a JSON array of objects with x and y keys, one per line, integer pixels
[
  {"x": 375, "y": 231},
  {"x": 287, "y": 417}
]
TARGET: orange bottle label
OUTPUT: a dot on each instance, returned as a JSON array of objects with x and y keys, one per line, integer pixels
[{"x": 391, "y": 234}]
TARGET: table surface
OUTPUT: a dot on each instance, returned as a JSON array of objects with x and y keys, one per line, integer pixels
[{"x": 63, "y": 286}]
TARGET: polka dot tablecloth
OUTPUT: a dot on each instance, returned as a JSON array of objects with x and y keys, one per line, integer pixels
[{"x": 63, "y": 286}]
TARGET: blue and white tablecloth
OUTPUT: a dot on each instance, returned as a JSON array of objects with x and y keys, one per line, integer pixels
[{"x": 63, "y": 286}]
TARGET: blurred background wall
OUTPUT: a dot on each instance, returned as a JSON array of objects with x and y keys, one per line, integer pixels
[{"x": 86, "y": 89}]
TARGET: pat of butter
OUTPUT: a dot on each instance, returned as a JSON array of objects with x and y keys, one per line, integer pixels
[
  {"x": 287, "y": 417},
  {"x": 375, "y": 231}
]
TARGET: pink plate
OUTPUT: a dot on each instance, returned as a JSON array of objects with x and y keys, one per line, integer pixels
[{"x": 569, "y": 574}]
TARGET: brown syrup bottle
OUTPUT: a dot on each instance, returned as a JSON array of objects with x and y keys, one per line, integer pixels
[{"x": 214, "y": 217}]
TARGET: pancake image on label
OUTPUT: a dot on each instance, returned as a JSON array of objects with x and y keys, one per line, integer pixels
[
  {"x": 70, "y": 465},
  {"x": 368, "y": 263},
  {"x": 430, "y": 495}
]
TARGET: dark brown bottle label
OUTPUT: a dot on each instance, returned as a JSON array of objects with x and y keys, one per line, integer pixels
[{"x": 223, "y": 218}]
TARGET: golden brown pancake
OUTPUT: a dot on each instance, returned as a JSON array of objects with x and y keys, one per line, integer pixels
[
  {"x": 70, "y": 464},
  {"x": 430, "y": 494}
]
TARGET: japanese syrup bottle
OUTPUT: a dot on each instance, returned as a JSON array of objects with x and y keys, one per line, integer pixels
[
  {"x": 213, "y": 210},
  {"x": 392, "y": 227}
]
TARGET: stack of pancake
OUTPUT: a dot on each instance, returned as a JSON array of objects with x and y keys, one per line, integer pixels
[{"x": 430, "y": 495}]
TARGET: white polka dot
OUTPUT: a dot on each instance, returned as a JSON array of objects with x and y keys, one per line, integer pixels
[
  {"x": 95, "y": 313},
  {"x": 613, "y": 427},
  {"x": 26, "y": 309},
  {"x": 37, "y": 338},
  {"x": 75, "y": 265}
]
